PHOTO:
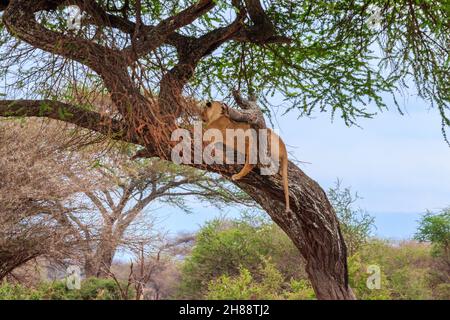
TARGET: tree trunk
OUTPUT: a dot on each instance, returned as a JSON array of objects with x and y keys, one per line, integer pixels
[
  {"x": 89, "y": 267},
  {"x": 98, "y": 264},
  {"x": 105, "y": 262},
  {"x": 312, "y": 225}
]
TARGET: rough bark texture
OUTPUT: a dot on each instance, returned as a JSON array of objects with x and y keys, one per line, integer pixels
[{"x": 312, "y": 224}]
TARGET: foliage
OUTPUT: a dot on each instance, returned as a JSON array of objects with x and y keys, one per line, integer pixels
[
  {"x": 435, "y": 228},
  {"x": 91, "y": 289},
  {"x": 94, "y": 196},
  {"x": 356, "y": 224},
  {"x": 442, "y": 291},
  {"x": 271, "y": 286},
  {"x": 241, "y": 260},
  {"x": 100, "y": 289},
  {"x": 17, "y": 292},
  {"x": 35, "y": 192},
  {"x": 408, "y": 270},
  {"x": 330, "y": 59},
  {"x": 405, "y": 268},
  {"x": 358, "y": 281},
  {"x": 225, "y": 247},
  {"x": 340, "y": 59}
]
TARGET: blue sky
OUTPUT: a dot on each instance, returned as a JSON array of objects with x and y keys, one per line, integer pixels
[{"x": 400, "y": 165}]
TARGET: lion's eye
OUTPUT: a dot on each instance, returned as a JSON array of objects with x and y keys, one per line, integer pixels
[{"x": 209, "y": 104}]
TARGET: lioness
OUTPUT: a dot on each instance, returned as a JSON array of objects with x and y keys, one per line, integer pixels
[{"x": 214, "y": 117}]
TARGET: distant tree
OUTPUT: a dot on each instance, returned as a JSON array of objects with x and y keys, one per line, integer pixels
[
  {"x": 95, "y": 196},
  {"x": 153, "y": 272},
  {"x": 356, "y": 224},
  {"x": 435, "y": 228},
  {"x": 117, "y": 215}
]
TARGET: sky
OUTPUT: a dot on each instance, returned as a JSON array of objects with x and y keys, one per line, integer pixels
[{"x": 399, "y": 165}]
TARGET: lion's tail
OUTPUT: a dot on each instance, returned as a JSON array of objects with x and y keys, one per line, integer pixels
[{"x": 284, "y": 175}]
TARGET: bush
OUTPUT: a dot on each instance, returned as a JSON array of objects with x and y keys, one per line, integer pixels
[
  {"x": 405, "y": 269},
  {"x": 442, "y": 291},
  {"x": 435, "y": 228},
  {"x": 224, "y": 248},
  {"x": 358, "y": 277},
  {"x": 226, "y": 264},
  {"x": 57, "y": 290},
  {"x": 271, "y": 286},
  {"x": 100, "y": 289},
  {"x": 91, "y": 289},
  {"x": 18, "y": 292}
]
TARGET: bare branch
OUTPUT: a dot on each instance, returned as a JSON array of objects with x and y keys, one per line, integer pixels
[{"x": 263, "y": 30}]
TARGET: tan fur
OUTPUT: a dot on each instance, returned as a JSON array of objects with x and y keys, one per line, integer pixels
[{"x": 214, "y": 117}]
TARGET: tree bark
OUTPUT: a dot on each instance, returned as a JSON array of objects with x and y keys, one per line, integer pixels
[{"x": 98, "y": 263}]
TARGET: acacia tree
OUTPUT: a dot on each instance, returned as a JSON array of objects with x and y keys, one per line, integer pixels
[
  {"x": 316, "y": 54},
  {"x": 34, "y": 195},
  {"x": 435, "y": 228},
  {"x": 68, "y": 205},
  {"x": 117, "y": 215},
  {"x": 153, "y": 271}
]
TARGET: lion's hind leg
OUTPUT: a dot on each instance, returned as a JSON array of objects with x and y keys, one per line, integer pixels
[{"x": 247, "y": 166}]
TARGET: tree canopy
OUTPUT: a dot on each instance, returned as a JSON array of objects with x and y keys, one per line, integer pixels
[{"x": 335, "y": 55}]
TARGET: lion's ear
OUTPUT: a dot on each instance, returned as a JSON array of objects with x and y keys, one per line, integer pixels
[{"x": 208, "y": 104}]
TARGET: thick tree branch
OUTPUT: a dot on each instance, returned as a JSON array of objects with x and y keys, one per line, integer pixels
[
  {"x": 99, "y": 205},
  {"x": 65, "y": 112},
  {"x": 262, "y": 31},
  {"x": 263, "y": 27},
  {"x": 3, "y": 4},
  {"x": 108, "y": 199},
  {"x": 190, "y": 52},
  {"x": 20, "y": 20},
  {"x": 153, "y": 37},
  {"x": 127, "y": 192}
]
